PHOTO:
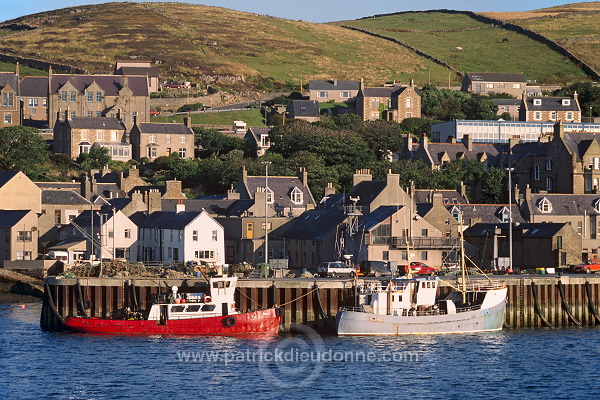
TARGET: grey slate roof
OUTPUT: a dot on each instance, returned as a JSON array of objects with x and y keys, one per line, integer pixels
[
  {"x": 168, "y": 220},
  {"x": 579, "y": 142},
  {"x": 143, "y": 71},
  {"x": 96, "y": 123},
  {"x": 164, "y": 128},
  {"x": 333, "y": 85},
  {"x": 387, "y": 91},
  {"x": 215, "y": 207},
  {"x": 489, "y": 213},
  {"x": 449, "y": 196},
  {"x": 367, "y": 191},
  {"x": 110, "y": 84},
  {"x": 566, "y": 204},
  {"x": 507, "y": 102},
  {"x": 34, "y": 86},
  {"x": 9, "y": 218},
  {"x": 378, "y": 216},
  {"x": 540, "y": 230},
  {"x": 56, "y": 196},
  {"x": 6, "y": 176},
  {"x": 551, "y": 104},
  {"x": 315, "y": 224},
  {"x": 495, "y": 77},
  {"x": 459, "y": 150},
  {"x": 75, "y": 186},
  {"x": 304, "y": 108},
  {"x": 282, "y": 187},
  {"x": 9, "y": 78}
]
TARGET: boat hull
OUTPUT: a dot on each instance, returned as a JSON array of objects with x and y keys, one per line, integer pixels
[
  {"x": 263, "y": 322},
  {"x": 362, "y": 323}
]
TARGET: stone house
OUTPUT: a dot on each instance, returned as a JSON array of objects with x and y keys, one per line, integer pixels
[
  {"x": 335, "y": 90},
  {"x": 34, "y": 95},
  {"x": 115, "y": 96},
  {"x": 152, "y": 140},
  {"x": 139, "y": 68},
  {"x": 18, "y": 228},
  {"x": 306, "y": 110},
  {"x": 18, "y": 192},
  {"x": 9, "y": 99},
  {"x": 486, "y": 83},
  {"x": 390, "y": 102},
  {"x": 550, "y": 109},
  {"x": 556, "y": 244},
  {"x": 258, "y": 137},
  {"x": 59, "y": 208},
  {"x": 511, "y": 106},
  {"x": 74, "y": 136}
]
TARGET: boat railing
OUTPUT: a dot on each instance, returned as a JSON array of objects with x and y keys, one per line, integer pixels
[
  {"x": 379, "y": 288},
  {"x": 484, "y": 286},
  {"x": 415, "y": 312}
]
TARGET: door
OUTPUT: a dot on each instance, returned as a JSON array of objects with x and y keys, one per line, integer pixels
[
  {"x": 250, "y": 230},
  {"x": 164, "y": 314},
  {"x": 224, "y": 309},
  {"x": 175, "y": 254}
]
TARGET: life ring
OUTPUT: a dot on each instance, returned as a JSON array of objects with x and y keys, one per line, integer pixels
[
  {"x": 207, "y": 299},
  {"x": 229, "y": 322}
]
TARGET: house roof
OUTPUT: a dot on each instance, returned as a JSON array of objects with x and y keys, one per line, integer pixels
[
  {"x": 9, "y": 218},
  {"x": 96, "y": 123},
  {"x": 304, "y": 108},
  {"x": 507, "y": 102},
  {"x": 493, "y": 151},
  {"x": 315, "y": 224},
  {"x": 367, "y": 191},
  {"x": 164, "y": 128},
  {"x": 6, "y": 176},
  {"x": 56, "y": 196},
  {"x": 379, "y": 215},
  {"x": 216, "y": 207},
  {"x": 149, "y": 71},
  {"x": 59, "y": 185},
  {"x": 579, "y": 142},
  {"x": 110, "y": 84},
  {"x": 567, "y": 204},
  {"x": 495, "y": 77},
  {"x": 255, "y": 132},
  {"x": 487, "y": 213},
  {"x": 73, "y": 243},
  {"x": 282, "y": 187},
  {"x": 551, "y": 104},
  {"x": 538, "y": 230},
  {"x": 9, "y": 78},
  {"x": 333, "y": 85},
  {"x": 168, "y": 219},
  {"x": 34, "y": 86},
  {"x": 387, "y": 91},
  {"x": 449, "y": 196}
]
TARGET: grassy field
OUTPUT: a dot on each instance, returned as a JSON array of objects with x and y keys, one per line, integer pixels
[
  {"x": 193, "y": 40},
  {"x": 251, "y": 118},
  {"x": 23, "y": 70},
  {"x": 484, "y": 48}
]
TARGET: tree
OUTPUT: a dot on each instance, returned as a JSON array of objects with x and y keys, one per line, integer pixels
[
  {"x": 215, "y": 143},
  {"x": 23, "y": 149},
  {"x": 97, "y": 158},
  {"x": 382, "y": 137},
  {"x": 506, "y": 116},
  {"x": 480, "y": 107},
  {"x": 493, "y": 184}
]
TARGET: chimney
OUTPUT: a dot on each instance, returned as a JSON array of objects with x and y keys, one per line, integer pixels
[
  {"x": 105, "y": 170},
  {"x": 392, "y": 180},
  {"x": 67, "y": 113},
  {"x": 260, "y": 198},
  {"x": 517, "y": 194},
  {"x": 335, "y": 82},
  {"x": 232, "y": 194},
  {"x": 409, "y": 142},
  {"x": 135, "y": 118},
  {"x": 574, "y": 93},
  {"x": 303, "y": 176},
  {"x": 463, "y": 190},
  {"x": 424, "y": 142},
  {"x": 187, "y": 121},
  {"x": 515, "y": 139},
  {"x": 559, "y": 130},
  {"x": 18, "y": 69},
  {"x": 437, "y": 200},
  {"x": 154, "y": 202},
  {"x": 361, "y": 175},
  {"x": 412, "y": 82},
  {"x": 173, "y": 190},
  {"x": 468, "y": 142},
  {"x": 243, "y": 176},
  {"x": 125, "y": 82},
  {"x": 527, "y": 193},
  {"x": 362, "y": 85},
  {"x": 180, "y": 206},
  {"x": 329, "y": 190}
]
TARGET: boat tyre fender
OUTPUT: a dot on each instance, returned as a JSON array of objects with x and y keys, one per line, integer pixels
[
  {"x": 229, "y": 322},
  {"x": 207, "y": 299},
  {"x": 87, "y": 304}
]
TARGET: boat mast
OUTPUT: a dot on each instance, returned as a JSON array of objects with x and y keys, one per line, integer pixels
[{"x": 462, "y": 262}]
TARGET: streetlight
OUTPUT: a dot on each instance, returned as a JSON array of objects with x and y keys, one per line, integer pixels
[
  {"x": 114, "y": 232},
  {"x": 266, "y": 164},
  {"x": 509, "y": 169}
]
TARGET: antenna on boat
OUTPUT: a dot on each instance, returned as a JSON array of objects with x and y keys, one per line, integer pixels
[{"x": 463, "y": 267}]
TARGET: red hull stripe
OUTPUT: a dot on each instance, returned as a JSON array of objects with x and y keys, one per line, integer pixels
[{"x": 265, "y": 322}]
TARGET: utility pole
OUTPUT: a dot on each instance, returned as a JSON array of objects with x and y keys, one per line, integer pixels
[{"x": 266, "y": 164}]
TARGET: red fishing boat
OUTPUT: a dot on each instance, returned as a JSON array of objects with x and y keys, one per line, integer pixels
[{"x": 212, "y": 313}]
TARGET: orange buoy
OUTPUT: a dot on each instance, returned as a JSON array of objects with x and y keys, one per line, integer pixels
[{"x": 22, "y": 306}]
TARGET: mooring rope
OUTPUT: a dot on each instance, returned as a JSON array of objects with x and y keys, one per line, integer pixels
[
  {"x": 565, "y": 305},
  {"x": 536, "y": 305},
  {"x": 298, "y": 298}
]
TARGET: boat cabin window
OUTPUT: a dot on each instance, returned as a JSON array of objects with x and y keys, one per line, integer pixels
[
  {"x": 423, "y": 285},
  {"x": 177, "y": 308},
  {"x": 208, "y": 307},
  {"x": 221, "y": 284},
  {"x": 194, "y": 308}
]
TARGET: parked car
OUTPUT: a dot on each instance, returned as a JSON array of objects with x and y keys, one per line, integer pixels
[
  {"x": 378, "y": 268},
  {"x": 154, "y": 112},
  {"x": 335, "y": 268},
  {"x": 587, "y": 267},
  {"x": 418, "y": 268},
  {"x": 174, "y": 85}
]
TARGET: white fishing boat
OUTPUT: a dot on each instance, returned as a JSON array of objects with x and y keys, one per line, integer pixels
[{"x": 412, "y": 306}]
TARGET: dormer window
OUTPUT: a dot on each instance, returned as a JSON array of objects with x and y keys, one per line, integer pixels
[
  {"x": 566, "y": 102},
  {"x": 269, "y": 196},
  {"x": 296, "y": 196},
  {"x": 537, "y": 102},
  {"x": 544, "y": 205},
  {"x": 596, "y": 205},
  {"x": 504, "y": 215}
]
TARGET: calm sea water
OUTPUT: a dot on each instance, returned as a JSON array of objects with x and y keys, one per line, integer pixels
[{"x": 518, "y": 364}]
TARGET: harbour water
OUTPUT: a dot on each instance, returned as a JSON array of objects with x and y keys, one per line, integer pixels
[{"x": 512, "y": 364}]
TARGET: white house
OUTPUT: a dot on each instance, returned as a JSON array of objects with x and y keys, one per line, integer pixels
[{"x": 166, "y": 236}]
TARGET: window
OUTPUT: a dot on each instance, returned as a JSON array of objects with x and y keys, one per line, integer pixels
[
  {"x": 579, "y": 227},
  {"x": 215, "y": 236},
  {"x": 516, "y": 86},
  {"x": 84, "y": 148},
  {"x": 501, "y": 85},
  {"x": 152, "y": 139},
  {"x": 195, "y": 236},
  {"x": 182, "y": 139},
  {"x": 322, "y": 95},
  {"x": 100, "y": 136},
  {"x": 8, "y": 99},
  {"x": 569, "y": 116},
  {"x": 385, "y": 255},
  {"x": 84, "y": 134},
  {"x": 597, "y": 205},
  {"x": 269, "y": 196},
  {"x": 89, "y": 114},
  {"x": 537, "y": 115},
  {"x": 170, "y": 252},
  {"x": 33, "y": 111},
  {"x": 303, "y": 110},
  {"x": 536, "y": 172},
  {"x": 375, "y": 103},
  {"x": 559, "y": 242},
  {"x": 563, "y": 258},
  {"x": 72, "y": 114},
  {"x": 404, "y": 255},
  {"x": 381, "y": 234},
  {"x": 57, "y": 217},
  {"x": 566, "y": 102},
  {"x": 7, "y": 119},
  {"x": 408, "y": 102},
  {"x": 548, "y": 184},
  {"x": 98, "y": 114},
  {"x": 98, "y": 97},
  {"x": 549, "y": 164},
  {"x": 424, "y": 255},
  {"x": 537, "y": 102},
  {"x": 44, "y": 102},
  {"x": 168, "y": 138},
  {"x": 544, "y": 205},
  {"x": 296, "y": 196},
  {"x": 24, "y": 236},
  {"x": 204, "y": 254},
  {"x": 89, "y": 96},
  {"x": 63, "y": 96},
  {"x": 151, "y": 152},
  {"x": 33, "y": 102},
  {"x": 23, "y": 255},
  {"x": 72, "y": 97},
  {"x": 424, "y": 232},
  {"x": 345, "y": 95},
  {"x": 553, "y": 116},
  {"x": 182, "y": 152},
  {"x": 489, "y": 85}
]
